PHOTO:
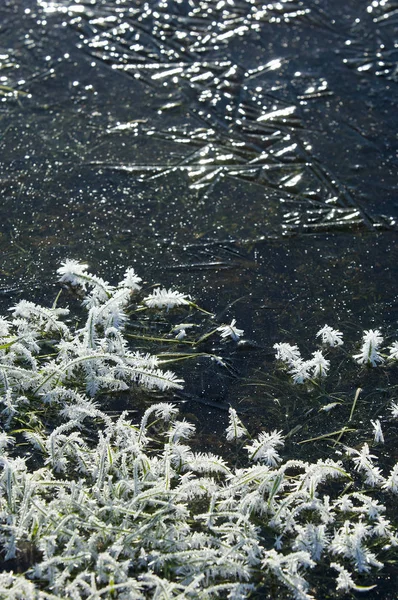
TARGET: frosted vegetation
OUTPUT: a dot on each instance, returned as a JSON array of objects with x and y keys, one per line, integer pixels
[{"x": 95, "y": 506}]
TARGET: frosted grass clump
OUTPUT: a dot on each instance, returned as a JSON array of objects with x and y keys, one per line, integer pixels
[
  {"x": 264, "y": 448},
  {"x": 315, "y": 368},
  {"x": 137, "y": 512},
  {"x": 235, "y": 429},
  {"x": 369, "y": 354},
  {"x": 96, "y": 355},
  {"x": 163, "y": 298},
  {"x": 393, "y": 351},
  {"x": 115, "y": 508},
  {"x": 231, "y": 331},
  {"x": 318, "y": 366},
  {"x": 331, "y": 337},
  {"x": 378, "y": 432}
]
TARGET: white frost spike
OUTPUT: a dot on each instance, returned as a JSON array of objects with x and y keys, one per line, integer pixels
[
  {"x": 235, "y": 429},
  {"x": 263, "y": 448},
  {"x": 72, "y": 271},
  {"x": 179, "y": 430},
  {"x": 230, "y": 331},
  {"x": 394, "y": 409},
  {"x": 391, "y": 483},
  {"x": 4, "y": 327},
  {"x": 364, "y": 462},
  {"x": 320, "y": 366},
  {"x": 331, "y": 337},
  {"x": 345, "y": 581},
  {"x": 372, "y": 340},
  {"x": 163, "y": 380},
  {"x": 378, "y": 432},
  {"x": 287, "y": 353},
  {"x": 300, "y": 370},
  {"x": 393, "y": 351},
  {"x": 162, "y": 298},
  {"x": 76, "y": 274},
  {"x": 131, "y": 280},
  {"x": 311, "y": 538}
]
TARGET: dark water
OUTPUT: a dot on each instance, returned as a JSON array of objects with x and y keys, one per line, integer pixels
[
  {"x": 242, "y": 152},
  {"x": 238, "y": 151}
]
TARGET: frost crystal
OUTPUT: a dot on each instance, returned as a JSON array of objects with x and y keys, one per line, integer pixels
[
  {"x": 230, "y": 331},
  {"x": 287, "y": 353},
  {"x": 391, "y": 482},
  {"x": 235, "y": 429},
  {"x": 311, "y": 538},
  {"x": 345, "y": 581},
  {"x": 393, "y": 351},
  {"x": 331, "y": 337},
  {"x": 378, "y": 432},
  {"x": 162, "y": 298},
  {"x": 264, "y": 447},
  {"x": 300, "y": 370},
  {"x": 4, "y": 327},
  {"x": 364, "y": 462},
  {"x": 394, "y": 409},
  {"x": 131, "y": 280},
  {"x": 72, "y": 271},
  {"x": 372, "y": 339},
  {"x": 319, "y": 364}
]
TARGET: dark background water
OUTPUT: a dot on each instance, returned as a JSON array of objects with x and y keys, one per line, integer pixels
[{"x": 237, "y": 151}]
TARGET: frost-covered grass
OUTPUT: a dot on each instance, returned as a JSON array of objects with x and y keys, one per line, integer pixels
[{"x": 94, "y": 506}]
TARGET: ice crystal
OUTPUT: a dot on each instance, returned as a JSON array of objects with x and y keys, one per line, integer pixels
[
  {"x": 230, "y": 331},
  {"x": 378, "y": 432},
  {"x": 300, "y": 370},
  {"x": 163, "y": 298},
  {"x": 311, "y": 538},
  {"x": 235, "y": 429},
  {"x": 391, "y": 483},
  {"x": 73, "y": 272},
  {"x": 287, "y": 353},
  {"x": 393, "y": 351},
  {"x": 264, "y": 447},
  {"x": 76, "y": 274},
  {"x": 345, "y": 581},
  {"x": 369, "y": 354},
  {"x": 331, "y": 337},
  {"x": 350, "y": 541},
  {"x": 131, "y": 280},
  {"x": 364, "y": 462},
  {"x": 394, "y": 409},
  {"x": 319, "y": 365}
]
